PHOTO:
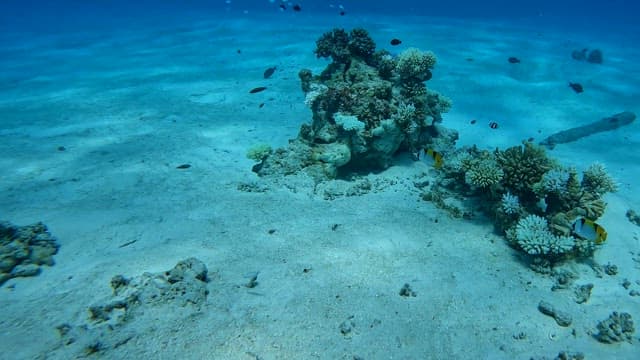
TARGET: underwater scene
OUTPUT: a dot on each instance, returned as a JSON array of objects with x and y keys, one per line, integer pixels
[{"x": 345, "y": 179}]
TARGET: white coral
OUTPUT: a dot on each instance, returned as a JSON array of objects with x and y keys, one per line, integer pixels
[
  {"x": 533, "y": 236},
  {"x": 510, "y": 203},
  {"x": 315, "y": 91},
  {"x": 348, "y": 122}
]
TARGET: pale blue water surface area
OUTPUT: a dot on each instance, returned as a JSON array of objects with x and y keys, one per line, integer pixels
[{"x": 173, "y": 188}]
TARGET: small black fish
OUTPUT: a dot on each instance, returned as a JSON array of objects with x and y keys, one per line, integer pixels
[
  {"x": 395, "y": 42},
  {"x": 297, "y": 7},
  {"x": 473, "y": 121},
  {"x": 493, "y": 125},
  {"x": 342, "y": 13},
  {"x": 183, "y": 166},
  {"x": 239, "y": 51},
  {"x": 261, "y": 105},
  {"x": 267, "y": 73},
  {"x": 576, "y": 87},
  {"x": 513, "y": 60},
  {"x": 257, "y": 90},
  {"x": 283, "y": 6}
]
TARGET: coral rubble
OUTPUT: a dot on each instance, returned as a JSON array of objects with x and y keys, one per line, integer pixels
[{"x": 24, "y": 249}]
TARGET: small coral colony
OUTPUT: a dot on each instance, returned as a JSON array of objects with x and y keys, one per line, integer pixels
[{"x": 368, "y": 105}]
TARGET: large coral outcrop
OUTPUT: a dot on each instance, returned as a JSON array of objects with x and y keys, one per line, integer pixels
[{"x": 366, "y": 106}]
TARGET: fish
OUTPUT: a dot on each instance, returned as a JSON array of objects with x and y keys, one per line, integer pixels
[
  {"x": 473, "y": 121},
  {"x": 576, "y": 87},
  {"x": 342, "y": 13},
  {"x": 297, "y": 7},
  {"x": 589, "y": 230},
  {"x": 513, "y": 60},
  {"x": 435, "y": 156},
  {"x": 261, "y": 105},
  {"x": 183, "y": 166},
  {"x": 494, "y": 125},
  {"x": 257, "y": 90},
  {"x": 395, "y": 42},
  {"x": 267, "y": 73}
]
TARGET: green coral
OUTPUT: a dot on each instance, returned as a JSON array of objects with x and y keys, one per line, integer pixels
[{"x": 259, "y": 152}]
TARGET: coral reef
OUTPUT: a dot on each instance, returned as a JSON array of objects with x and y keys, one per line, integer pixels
[
  {"x": 531, "y": 198},
  {"x": 366, "y": 106},
  {"x": 24, "y": 249}
]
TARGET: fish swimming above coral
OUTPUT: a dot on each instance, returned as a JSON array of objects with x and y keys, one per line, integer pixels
[{"x": 587, "y": 229}]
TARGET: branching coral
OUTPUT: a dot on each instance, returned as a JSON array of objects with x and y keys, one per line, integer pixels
[
  {"x": 596, "y": 180},
  {"x": 484, "y": 173},
  {"x": 523, "y": 166},
  {"x": 533, "y": 236},
  {"x": 510, "y": 204},
  {"x": 361, "y": 44},
  {"x": 415, "y": 64}
]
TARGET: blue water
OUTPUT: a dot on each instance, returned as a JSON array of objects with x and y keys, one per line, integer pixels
[
  {"x": 101, "y": 101},
  {"x": 56, "y": 15}
]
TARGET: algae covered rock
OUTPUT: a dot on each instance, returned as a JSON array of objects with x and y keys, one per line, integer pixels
[
  {"x": 616, "y": 328},
  {"x": 24, "y": 249}
]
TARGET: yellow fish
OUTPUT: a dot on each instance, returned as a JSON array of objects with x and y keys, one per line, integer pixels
[
  {"x": 590, "y": 230},
  {"x": 435, "y": 156}
]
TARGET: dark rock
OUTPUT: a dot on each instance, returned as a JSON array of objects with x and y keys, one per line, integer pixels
[{"x": 595, "y": 56}]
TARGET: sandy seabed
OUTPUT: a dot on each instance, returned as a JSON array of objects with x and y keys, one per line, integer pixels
[{"x": 131, "y": 105}]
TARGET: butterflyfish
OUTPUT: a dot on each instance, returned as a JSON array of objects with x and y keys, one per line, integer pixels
[
  {"x": 435, "y": 156},
  {"x": 589, "y": 230}
]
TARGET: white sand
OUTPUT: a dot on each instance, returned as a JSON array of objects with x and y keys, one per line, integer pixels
[{"x": 131, "y": 106}]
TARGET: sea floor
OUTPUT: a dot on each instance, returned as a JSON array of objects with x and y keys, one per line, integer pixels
[{"x": 94, "y": 125}]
